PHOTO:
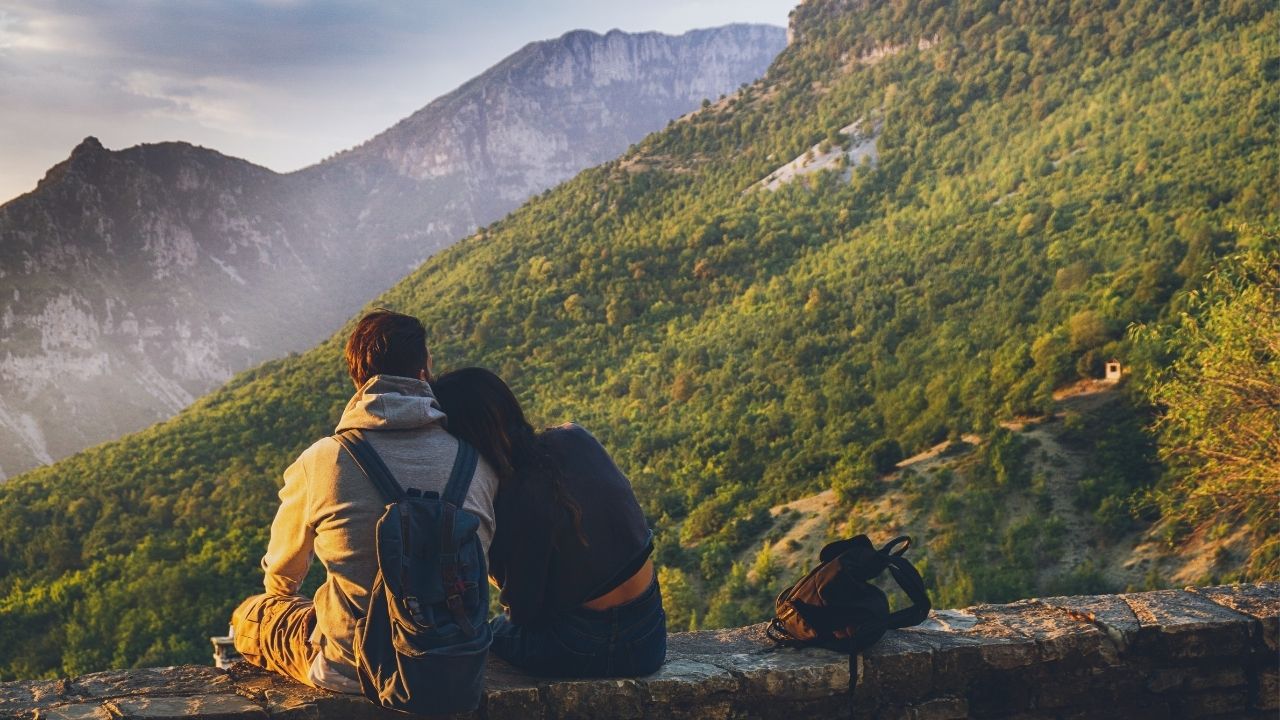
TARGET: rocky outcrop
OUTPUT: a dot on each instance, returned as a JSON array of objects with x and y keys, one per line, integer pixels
[
  {"x": 1208, "y": 652},
  {"x": 132, "y": 282}
]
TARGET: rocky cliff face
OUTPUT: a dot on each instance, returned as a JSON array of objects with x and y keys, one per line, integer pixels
[
  {"x": 132, "y": 282},
  {"x": 531, "y": 122}
]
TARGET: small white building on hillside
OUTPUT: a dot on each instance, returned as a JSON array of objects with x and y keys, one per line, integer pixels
[{"x": 1113, "y": 371}]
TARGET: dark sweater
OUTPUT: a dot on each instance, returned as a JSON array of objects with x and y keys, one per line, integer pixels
[{"x": 536, "y": 556}]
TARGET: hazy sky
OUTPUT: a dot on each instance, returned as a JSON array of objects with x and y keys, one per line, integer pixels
[{"x": 282, "y": 83}]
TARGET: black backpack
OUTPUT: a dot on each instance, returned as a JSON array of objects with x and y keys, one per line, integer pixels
[
  {"x": 835, "y": 606},
  {"x": 421, "y": 647}
]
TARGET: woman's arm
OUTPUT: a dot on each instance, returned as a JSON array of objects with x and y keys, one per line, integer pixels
[{"x": 521, "y": 557}]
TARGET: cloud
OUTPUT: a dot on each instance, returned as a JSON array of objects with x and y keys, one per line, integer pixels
[
  {"x": 212, "y": 102},
  {"x": 207, "y": 37}
]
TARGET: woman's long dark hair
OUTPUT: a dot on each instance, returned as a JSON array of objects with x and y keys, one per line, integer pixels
[{"x": 482, "y": 410}]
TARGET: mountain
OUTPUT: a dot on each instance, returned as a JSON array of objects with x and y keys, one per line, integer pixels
[
  {"x": 135, "y": 280},
  {"x": 132, "y": 282},
  {"x": 529, "y": 123},
  {"x": 923, "y": 225}
]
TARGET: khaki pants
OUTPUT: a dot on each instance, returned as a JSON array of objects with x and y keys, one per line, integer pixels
[{"x": 274, "y": 632}]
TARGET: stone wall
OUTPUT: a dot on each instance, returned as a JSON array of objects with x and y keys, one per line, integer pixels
[{"x": 1206, "y": 652}]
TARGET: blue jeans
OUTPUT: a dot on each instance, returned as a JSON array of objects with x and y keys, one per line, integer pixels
[{"x": 625, "y": 641}]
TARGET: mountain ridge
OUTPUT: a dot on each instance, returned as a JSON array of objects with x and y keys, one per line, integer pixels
[{"x": 230, "y": 263}]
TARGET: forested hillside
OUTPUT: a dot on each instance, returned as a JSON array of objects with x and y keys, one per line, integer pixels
[{"x": 1045, "y": 174}]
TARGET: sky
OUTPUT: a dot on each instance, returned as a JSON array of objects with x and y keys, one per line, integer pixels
[{"x": 282, "y": 83}]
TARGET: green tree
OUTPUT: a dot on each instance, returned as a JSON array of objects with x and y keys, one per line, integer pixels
[{"x": 1220, "y": 423}]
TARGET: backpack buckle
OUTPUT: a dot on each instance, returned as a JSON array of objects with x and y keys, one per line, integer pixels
[{"x": 415, "y": 611}]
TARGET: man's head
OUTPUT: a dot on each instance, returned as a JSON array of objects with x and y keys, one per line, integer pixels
[{"x": 387, "y": 343}]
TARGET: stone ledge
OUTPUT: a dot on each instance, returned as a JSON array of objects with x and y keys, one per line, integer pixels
[{"x": 1196, "y": 653}]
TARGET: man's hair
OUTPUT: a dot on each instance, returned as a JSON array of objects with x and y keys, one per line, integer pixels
[{"x": 386, "y": 343}]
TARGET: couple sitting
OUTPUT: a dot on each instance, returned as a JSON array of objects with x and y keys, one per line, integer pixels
[{"x": 567, "y": 543}]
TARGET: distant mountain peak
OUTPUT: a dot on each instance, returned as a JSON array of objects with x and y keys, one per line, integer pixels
[
  {"x": 89, "y": 150},
  {"x": 89, "y": 144}
]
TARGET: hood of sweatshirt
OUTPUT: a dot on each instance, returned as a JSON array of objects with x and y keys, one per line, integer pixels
[{"x": 390, "y": 402}]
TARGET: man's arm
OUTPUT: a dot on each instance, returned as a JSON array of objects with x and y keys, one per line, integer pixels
[{"x": 289, "y": 552}]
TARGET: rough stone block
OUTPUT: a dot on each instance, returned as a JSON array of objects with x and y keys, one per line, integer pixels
[
  {"x": 280, "y": 696},
  {"x": 291, "y": 704},
  {"x": 1268, "y": 696},
  {"x": 1058, "y": 635},
  {"x": 899, "y": 668},
  {"x": 180, "y": 680},
  {"x": 1220, "y": 678},
  {"x": 20, "y": 699},
  {"x": 330, "y": 706},
  {"x": 1220, "y": 702},
  {"x": 510, "y": 694},
  {"x": 1178, "y": 625},
  {"x": 299, "y": 711},
  {"x": 749, "y": 639},
  {"x": 205, "y": 707},
  {"x": 945, "y": 708},
  {"x": 512, "y": 704},
  {"x": 1163, "y": 680},
  {"x": 768, "y": 681},
  {"x": 1109, "y": 613},
  {"x": 795, "y": 674},
  {"x": 836, "y": 707},
  {"x": 711, "y": 710},
  {"x": 1105, "y": 686},
  {"x": 957, "y": 658},
  {"x": 685, "y": 682},
  {"x": 571, "y": 699},
  {"x": 995, "y": 696},
  {"x": 999, "y": 646},
  {"x": 1260, "y": 602},
  {"x": 1192, "y": 679},
  {"x": 1135, "y": 709},
  {"x": 880, "y": 711},
  {"x": 78, "y": 711}
]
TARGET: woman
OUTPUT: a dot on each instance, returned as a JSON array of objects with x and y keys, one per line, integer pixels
[{"x": 571, "y": 550}]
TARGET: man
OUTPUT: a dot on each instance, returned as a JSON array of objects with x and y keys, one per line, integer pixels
[{"x": 330, "y": 509}]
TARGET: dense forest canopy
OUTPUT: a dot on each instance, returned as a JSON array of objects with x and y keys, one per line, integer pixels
[{"x": 1047, "y": 175}]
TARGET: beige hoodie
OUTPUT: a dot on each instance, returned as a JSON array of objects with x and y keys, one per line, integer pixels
[{"x": 329, "y": 509}]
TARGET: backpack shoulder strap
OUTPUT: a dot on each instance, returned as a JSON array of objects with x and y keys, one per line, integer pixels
[
  {"x": 464, "y": 468},
  {"x": 371, "y": 464},
  {"x": 455, "y": 494},
  {"x": 908, "y": 578}
]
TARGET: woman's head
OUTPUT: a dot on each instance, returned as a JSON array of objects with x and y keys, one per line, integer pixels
[{"x": 483, "y": 411}]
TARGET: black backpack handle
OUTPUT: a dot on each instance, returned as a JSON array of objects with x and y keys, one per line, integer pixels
[
  {"x": 908, "y": 578},
  {"x": 891, "y": 548}
]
